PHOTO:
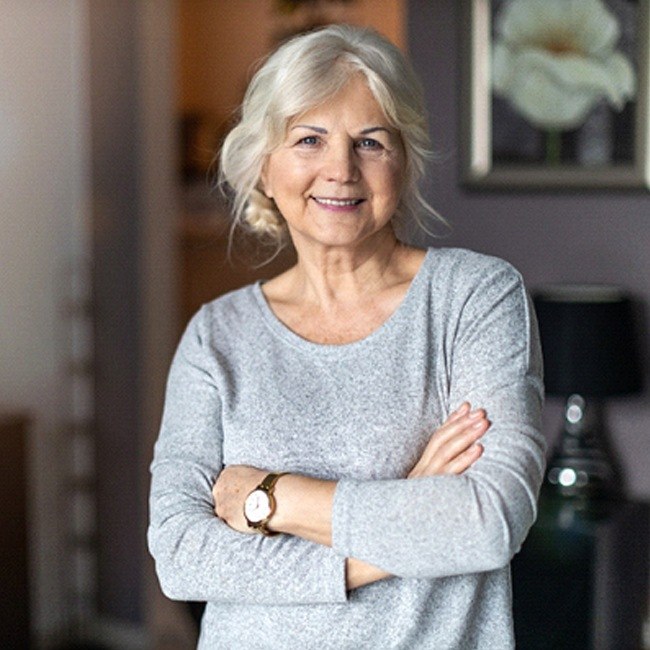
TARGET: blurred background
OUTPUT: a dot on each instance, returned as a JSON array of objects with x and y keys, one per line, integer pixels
[{"x": 110, "y": 114}]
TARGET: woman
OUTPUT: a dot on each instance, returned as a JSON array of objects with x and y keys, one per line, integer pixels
[{"x": 324, "y": 416}]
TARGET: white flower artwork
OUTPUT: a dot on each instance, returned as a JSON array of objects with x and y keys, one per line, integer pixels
[{"x": 555, "y": 60}]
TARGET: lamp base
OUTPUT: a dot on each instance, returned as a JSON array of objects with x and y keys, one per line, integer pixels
[{"x": 582, "y": 466}]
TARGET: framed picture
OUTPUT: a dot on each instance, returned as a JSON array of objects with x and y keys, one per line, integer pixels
[{"x": 556, "y": 94}]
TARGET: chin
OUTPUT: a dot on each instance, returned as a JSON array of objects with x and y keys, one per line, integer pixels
[{"x": 348, "y": 235}]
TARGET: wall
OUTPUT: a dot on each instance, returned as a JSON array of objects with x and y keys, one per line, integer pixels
[
  {"x": 87, "y": 158},
  {"x": 220, "y": 42},
  {"x": 115, "y": 165},
  {"x": 42, "y": 184},
  {"x": 133, "y": 186},
  {"x": 588, "y": 236}
]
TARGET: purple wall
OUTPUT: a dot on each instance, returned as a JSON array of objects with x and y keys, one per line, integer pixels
[{"x": 587, "y": 236}]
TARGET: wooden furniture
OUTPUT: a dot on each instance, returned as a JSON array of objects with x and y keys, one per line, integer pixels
[
  {"x": 580, "y": 581},
  {"x": 14, "y": 584},
  {"x": 207, "y": 271}
]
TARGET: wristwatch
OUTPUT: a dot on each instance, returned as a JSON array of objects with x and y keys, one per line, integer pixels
[{"x": 259, "y": 506}]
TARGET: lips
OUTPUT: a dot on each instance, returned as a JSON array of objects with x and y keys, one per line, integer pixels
[{"x": 337, "y": 203}]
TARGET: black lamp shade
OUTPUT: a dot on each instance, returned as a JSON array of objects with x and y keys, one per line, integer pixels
[{"x": 588, "y": 341}]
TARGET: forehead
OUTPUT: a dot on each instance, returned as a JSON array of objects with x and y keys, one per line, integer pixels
[{"x": 353, "y": 103}]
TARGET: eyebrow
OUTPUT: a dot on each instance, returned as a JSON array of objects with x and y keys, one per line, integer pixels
[{"x": 323, "y": 131}]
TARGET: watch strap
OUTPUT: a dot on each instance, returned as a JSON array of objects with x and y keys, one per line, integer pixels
[{"x": 269, "y": 481}]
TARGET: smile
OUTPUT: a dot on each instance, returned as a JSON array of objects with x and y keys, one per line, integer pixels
[{"x": 339, "y": 203}]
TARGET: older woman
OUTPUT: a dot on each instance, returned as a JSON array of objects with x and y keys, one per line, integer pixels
[{"x": 319, "y": 479}]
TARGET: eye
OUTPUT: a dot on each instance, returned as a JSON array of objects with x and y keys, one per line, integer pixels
[
  {"x": 309, "y": 141},
  {"x": 369, "y": 144}
]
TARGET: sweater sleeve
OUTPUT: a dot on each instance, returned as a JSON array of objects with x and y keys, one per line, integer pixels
[
  {"x": 451, "y": 525},
  {"x": 197, "y": 556}
]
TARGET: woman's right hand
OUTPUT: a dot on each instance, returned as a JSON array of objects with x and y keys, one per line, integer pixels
[{"x": 454, "y": 446}]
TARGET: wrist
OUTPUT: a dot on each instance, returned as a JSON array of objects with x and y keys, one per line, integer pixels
[
  {"x": 304, "y": 508},
  {"x": 260, "y": 504},
  {"x": 358, "y": 573}
]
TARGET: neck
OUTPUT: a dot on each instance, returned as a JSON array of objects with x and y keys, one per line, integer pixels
[{"x": 337, "y": 276}]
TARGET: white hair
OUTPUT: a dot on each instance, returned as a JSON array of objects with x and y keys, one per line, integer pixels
[{"x": 301, "y": 74}]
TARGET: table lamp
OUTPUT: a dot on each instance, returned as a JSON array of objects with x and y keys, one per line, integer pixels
[{"x": 590, "y": 355}]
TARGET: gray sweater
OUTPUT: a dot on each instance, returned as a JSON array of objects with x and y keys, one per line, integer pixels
[{"x": 244, "y": 389}]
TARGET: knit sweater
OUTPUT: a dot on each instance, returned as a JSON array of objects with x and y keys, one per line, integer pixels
[{"x": 244, "y": 389}]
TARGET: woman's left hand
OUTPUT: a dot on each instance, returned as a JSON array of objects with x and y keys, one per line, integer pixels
[
  {"x": 233, "y": 485},
  {"x": 453, "y": 447}
]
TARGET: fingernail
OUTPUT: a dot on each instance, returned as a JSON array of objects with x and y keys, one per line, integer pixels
[{"x": 475, "y": 414}]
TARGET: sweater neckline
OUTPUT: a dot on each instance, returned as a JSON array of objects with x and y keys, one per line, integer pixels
[{"x": 391, "y": 323}]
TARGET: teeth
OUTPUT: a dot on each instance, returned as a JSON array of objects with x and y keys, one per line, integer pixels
[{"x": 338, "y": 202}]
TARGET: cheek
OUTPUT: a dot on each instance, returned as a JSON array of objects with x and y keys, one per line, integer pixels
[
  {"x": 273, "y": 179},
  {"x": 394, "y": 184},
  {"x": 292, "y": 181}
]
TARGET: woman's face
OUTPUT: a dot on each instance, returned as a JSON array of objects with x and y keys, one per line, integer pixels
[{"x": 338, "y": 176}]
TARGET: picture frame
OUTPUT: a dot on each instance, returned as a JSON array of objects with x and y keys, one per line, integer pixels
[{"x": 502, "y": 149}]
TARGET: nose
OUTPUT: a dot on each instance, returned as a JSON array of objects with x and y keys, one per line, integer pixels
[{"x": 341, "y": 164}]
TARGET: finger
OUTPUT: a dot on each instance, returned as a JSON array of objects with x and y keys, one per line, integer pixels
[
  {"x": 447, "y": 438},
  {"x": 455, "y": 424},
  {"x": 462, "y": 410},
  {"x": 458, "y": 464},
  {"x": 464, "y": 438},
  {"x": 439, "y": 453},
  {"x": 458, "y": 423},
  {"x": 464, "y": 461}
]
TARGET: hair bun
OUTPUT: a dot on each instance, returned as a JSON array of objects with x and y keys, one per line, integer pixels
[{"x": 262, "y": 216}]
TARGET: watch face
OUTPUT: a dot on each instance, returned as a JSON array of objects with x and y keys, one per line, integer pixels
[{"x": 257, "y": 506}]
